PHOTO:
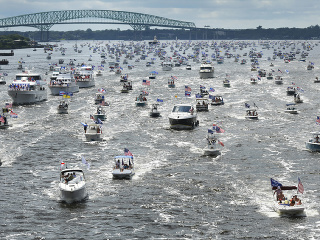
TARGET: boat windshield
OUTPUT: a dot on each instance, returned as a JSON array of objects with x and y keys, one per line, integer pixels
[{"x": 181, "y": 108}]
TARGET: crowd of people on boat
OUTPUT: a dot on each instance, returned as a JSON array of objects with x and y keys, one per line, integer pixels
[
  {"x": 252, "y": 113},
  {"x": 20, "y": 87},
  {"x": 284, "y": 200},
  {"x": 123, "y": 165}
]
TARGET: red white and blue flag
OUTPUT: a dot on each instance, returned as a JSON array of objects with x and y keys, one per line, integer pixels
[
  {"x": 318, "y": 120},
  {"x": 187, "y": 89},
  {"x": 300, "y": 186},
  {"x": 218, "y": 129},
  {"x": 14, "y": 115},
  {"x": 1, "y": 119},
  {"x": 145, "y": 82},
  {"x": 127, "y": 152}
]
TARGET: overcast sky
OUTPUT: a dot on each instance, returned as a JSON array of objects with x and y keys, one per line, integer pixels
[{"x": 228, "y": 14}]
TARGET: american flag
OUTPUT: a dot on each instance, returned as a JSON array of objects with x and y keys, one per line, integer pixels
[
  {"x": 1, "y": 119},
  {"x": 8, "y": 105},
  {"x": 187, "y": 89},
  {"x": 127, "y": 152},
  {"x": 300, "y": 186},
  {"x": 146, "y": 82},
  {"x": 318, "y": 120}
]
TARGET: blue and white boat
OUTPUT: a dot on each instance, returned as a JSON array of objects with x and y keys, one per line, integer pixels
[{"x": 313, "y": 144}]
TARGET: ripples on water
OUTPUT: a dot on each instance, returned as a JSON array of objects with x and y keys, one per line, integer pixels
[{"x": 176, "y": 193}]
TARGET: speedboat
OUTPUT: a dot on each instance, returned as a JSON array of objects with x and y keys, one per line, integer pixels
[
  {"x": 314, "y": 144},
  {"x": 253, "y": 80},
  {"x": 154, "y": 110},
  {"x": 252, "y": 114},
  {"x": 2, "y": 80},
  {"x": 27, "y": 88},
  {"x": 316, "y": 80},
  {"x": 72, "y": 185},
  {"x": 171, "y": 83},
  {"x": 93, "y": 132},
  {"x": 183, "y": 117},
  {"x": 202, "y": 105},
  {"x": 85, "y": 77},
  {"x": 297, "y": 98},
  {"x": 124, "y": 78},
  {"x": 212, "y": 148},
  {"x": 100, "y": 113},
  {"x": 127, "y": 86},
  {"x": 141, "y": 101},
  {"x": 286, "y": 204},
  {"x": 167, "y": 66},
  {"x": 216, "y": 100},
  {"x": 291, "y": 108},
  {"x": 99, "y": 98},
  {"x": 206, "y": 70},
  {"x": 226, "y": 82},
  {"x": 124, "y": 168},
  {"x": 4, "y": 121},
  {"x": 188, "y": 67},
  {"x": 278, "y": 80},
  {"x": 62, "y": 107},
  {"x": 65, "y": 82},
  {"x": 270, "y": 76},
  {"x": 291, "y": 91}
]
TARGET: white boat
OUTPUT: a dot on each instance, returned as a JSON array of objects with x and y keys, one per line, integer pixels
[
  {"x": 183, "y": 116},
  {"x": 188, "y": 67},
  {"x": 100, "y": 113},
  {"x": 123, "y": 167},
  {"x": 152, "y": 75},
  {"x": 202, "y": 105},
  {"x": 252, "y": 114},
  {"x": 212, "y": 149},
  {"x": 316, "y": 80},
  {"x": 167, "y": 66},
  {"x": 65, "y": 82},
  {"x": 141, "y": 101},
  {"x": 278, "y": 80},
  {"x": 253, "y": 80},
  {"x": 291, "y": 90},
  {"x": 291, "y": 108},
  {"x": 270, "y": 76},
  {"x": 313, "y": 144},
  {"x": 85, "y": 77},
  {"x": 286, "y": 204},
  {"x": 297, "y": 98},
  {"x": 2, "y": 80},
  {"x": 226, "y": 82},
  {"x": 27, "y": 88},
  {"x": 72, "y": 185},
  {"x": 124, "y": 78},
  {"x": 127, "y": 86},
  {"x": 216, "y": 100},
  {"x": 99, "y": 98},
  {"x": 154, "y": 110},
  {"x": 93, "y": 132},
  {"x": 171, "y": 83},
  {"x": 62, "y": 107},
  {"x": 206, "y": 70}
]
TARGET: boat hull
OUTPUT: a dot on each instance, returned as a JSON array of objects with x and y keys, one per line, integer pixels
[
  {"x": 55, "y": 90},
  {"x": 204, "y": 75},
  {"x": 122, "y": 174},
  {"x": 73, "y": 194},
  {"x": 62, "y": 110},
  {"x": 93, "y": 136},
  {"x": 180, "y": 123},
  {"x": 312, "y": 146},
  {"x": 86, "y": 84},
  {"x": 211, "y": 152},
  {"x": 27, "y": 97},
  {"x": 288, "y": 210},
  {"x": 102, "y": 117}
]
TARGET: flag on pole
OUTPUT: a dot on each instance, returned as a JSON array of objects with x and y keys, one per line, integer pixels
[
  {"x": 300, "y": 186},
  {"x": 318, "y": 120},
  {"x": 127, "y": 152},
  {"x": 85, "y": 162},
  {"x": 62, "y": 165},
  {"x": 275, "y": 183}
]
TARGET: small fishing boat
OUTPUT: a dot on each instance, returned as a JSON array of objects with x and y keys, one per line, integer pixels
[
  {"x": 63, "y": 107},
  {"x": 154, "y": 110},
  {"x": 291, "y": 108},
  {"x": 212, "y": 149},
  {"x": 278, "y": 80},
  {"x": 72, "y": 185},
  {"x": 297, "y": 98},
  {"x": 216, "y": 100},
  {"x": 316, "y": 80},
  {"x": 291, "y": 90},
  {"x": 252, "y": 114},
  {"x": 171, "y": 83},
  {"x": 226, "y": 83},
  {"x": 141, "y": 101},
  {"x": 253, "y": 80},
  {"x": 313, "y": 144},
  {"x": 100, "y": 113},
  {"x": 123, "y": 167},
  {"x": 127, "y": 86},
  {"x": 2, "y": 80}
]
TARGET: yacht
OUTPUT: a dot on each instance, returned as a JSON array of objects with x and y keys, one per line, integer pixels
[
  {"x": 65, "y": 82},
  {"x": 183, "y": 116},
  {"x": 85, "y": 77},
  {"x": 27, "y": 88},
  {"x": 206, "y": 70}
]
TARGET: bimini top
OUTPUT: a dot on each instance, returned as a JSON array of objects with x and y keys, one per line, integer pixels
[{"x": 124, "y": 157}]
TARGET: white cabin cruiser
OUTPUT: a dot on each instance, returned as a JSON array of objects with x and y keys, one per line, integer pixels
[
  {"x": 72, "y": 185},
  {"x": 124, "y": 168},
  {"x": 85, "y": 77},
  {"x": 27, "y": 88},
  {"x": 206, "y": 70},
  {"x": 65, "y": 82},
  {"x": 183, "y": 116}
]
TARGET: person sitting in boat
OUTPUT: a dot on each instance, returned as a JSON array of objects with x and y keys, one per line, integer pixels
[
  {"x": 118, "y": 164},
  {"x": 292, "y": 202},
  {"x": 279, "y": 192},
  {"x": 316, "y": 139}
]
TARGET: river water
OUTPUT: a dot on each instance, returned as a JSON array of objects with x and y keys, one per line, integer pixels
[{"x": 176, "y": 193}]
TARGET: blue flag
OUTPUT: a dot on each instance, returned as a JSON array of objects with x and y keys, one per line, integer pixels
[
  {"x": 275, "y": 183},
  {"x": 246, "y": 105},
  {"x": 159, "y": 100}
]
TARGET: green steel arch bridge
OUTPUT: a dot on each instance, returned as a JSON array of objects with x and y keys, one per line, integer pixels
[{"x": 45, "y": 20}]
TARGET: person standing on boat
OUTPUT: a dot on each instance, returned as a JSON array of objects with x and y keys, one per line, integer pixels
[
  {"x": 85, "y": 127},
  {"x": 279, "y": 192}
]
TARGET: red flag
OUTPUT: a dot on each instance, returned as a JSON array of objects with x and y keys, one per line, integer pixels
[{"x": 221, "y": 143}]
